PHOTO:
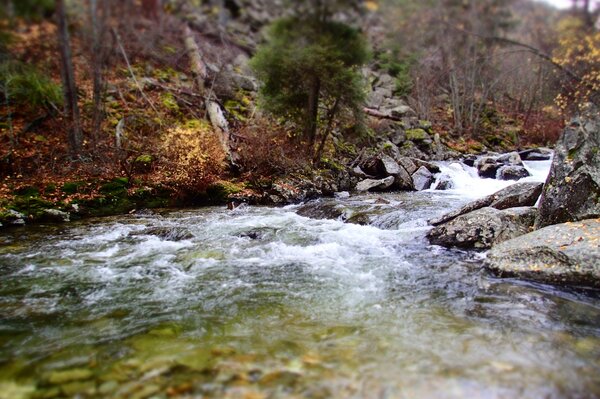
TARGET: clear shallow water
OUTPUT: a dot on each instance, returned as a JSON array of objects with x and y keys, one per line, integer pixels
[{"x": 262, "y": 302}]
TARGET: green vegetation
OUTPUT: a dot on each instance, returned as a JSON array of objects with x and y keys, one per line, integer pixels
[{"x": 309, "y": 68}]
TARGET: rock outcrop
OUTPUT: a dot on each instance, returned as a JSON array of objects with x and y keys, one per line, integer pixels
[
  {"x": 371, "y": 184},
  {"x": 572, "y": 191},
  {"x": 504, "y": 167},
  {"x": 517, "y": 195},
  {"x": 566, "y": 253},
  {"x": 483, "y": 228}
]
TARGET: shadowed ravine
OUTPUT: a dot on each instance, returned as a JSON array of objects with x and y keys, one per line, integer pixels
[{"x": 262, "y": 302}]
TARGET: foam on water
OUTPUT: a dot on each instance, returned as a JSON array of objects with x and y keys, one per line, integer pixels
[{"x": 466, "y": 183}]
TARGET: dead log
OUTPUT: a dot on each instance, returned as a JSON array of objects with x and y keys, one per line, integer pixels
[
  {"x": 381, "y": 115},
  {"x": 214, "y": 111}
]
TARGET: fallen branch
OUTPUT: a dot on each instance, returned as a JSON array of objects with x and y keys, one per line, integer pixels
[{"x": 381, "y": 115}]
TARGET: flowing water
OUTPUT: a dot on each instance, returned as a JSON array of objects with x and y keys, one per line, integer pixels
[{"x": 263, "y": 303}]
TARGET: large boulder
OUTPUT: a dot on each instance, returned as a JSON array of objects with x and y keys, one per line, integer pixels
[
  {"x": 422, "y": 179},
  {"x": 512, "y": 172},
  {"x": 517, "y": 195},
  {"x": 372, "y": 184},
  {"x": 560, "y": 254},
  {"x": 483, "y": 228},
  {"x": 384, "y": 166},
  {"x": 572, "y": 190}
]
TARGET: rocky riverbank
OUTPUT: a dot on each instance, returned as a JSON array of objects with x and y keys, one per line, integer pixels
[{"x": 556, "y": 243}]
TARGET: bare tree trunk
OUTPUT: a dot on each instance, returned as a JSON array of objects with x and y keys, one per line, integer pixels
[
  {"x": 98, "y": 61},
  {"x": 313, "y": 113},
  {"x": 75, "y": 135},
  {"x": 327, "y": 131},
  {"x": 213, "y": 109}
]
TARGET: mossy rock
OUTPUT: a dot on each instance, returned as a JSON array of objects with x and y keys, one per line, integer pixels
[
  {"x": 143, "y": 163},
  {"x": 107, "y": 206},
  {"x": 31, "y": 206},
  {"x": 417, "y": 135},
  {"x": 220, "y": 192},
  {"x": 50, "y": 188},
  {"x": 70, "y": 188},
  {"x": 28, "y": 191},
  {"x": 117, "y": 187}
]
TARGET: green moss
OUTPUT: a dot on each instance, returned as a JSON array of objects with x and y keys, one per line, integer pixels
[
  {"x": 31, "y": 206},
  {"x": 237, "y": 109},
  {"x": 50, "y": 188},
  {"x": 221, "y": 191},
  {"x": 196, "y": 124},
  {"x": 169, "y": 102},
  {"x": 72, "y": 187},
  {"x": 28, "y": 191},
  {"x": 117, "y": 187},
  {"x": 416, "y": 134}
]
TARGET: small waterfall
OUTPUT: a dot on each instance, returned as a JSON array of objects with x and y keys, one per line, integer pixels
[{"x": 464, "y": 181}]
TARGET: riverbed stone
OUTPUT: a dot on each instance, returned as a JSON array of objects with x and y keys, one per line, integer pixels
[
  {"x": 572, "y": 190},
  {"x": 372, "y": 184},
  {"x": 512, "y": 172},
  {"x": 518, "y": 195},
  {"x": 483, "y": 228},
  {"x": 55, "y": 216},
  {"x": 322, "y": 210},
  {"x": 564, "y": 254},
  {"x": 167, "y": 233},
  {"x": 422, "y": 179}
]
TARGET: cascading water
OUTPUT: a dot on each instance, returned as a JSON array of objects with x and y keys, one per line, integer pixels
[{"x": 262, "y": 302}]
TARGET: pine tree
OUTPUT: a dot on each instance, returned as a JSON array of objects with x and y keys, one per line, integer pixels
[{"x": 310, "y": 70}]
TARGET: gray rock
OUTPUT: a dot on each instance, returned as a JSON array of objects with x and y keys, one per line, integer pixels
[
  {"x": 390, "y": 166},
  {"x": 517, "y": 195},
  {"x": 14, "y": 218},
  {"x": 483, "y": 228},
  {"x": 409, "y": 149},
  {"x": 444, "y": 183},
  {"x": 402, "y": 110},
  {"x": 408, "y": 164},
  {"x": 398, "y": 137},
  {"x": 358, "y": 172},
  {"x": 560, "y": 254},
  {"x": 422, "y": 179},
  {"x": 537, "y": 154},
  {"x": 512, "y": 158},
  {"x": 322, "y": 210},
  {"x": 512, "y": 172},
  {"x": 572, "y": 190},
  {"x": 433, "y": 168},
  {"x": 403, "y": 180},
  {"x": 342, "y": 195},
  {"x": 371, "y": 184},
  {"x": 487, "y": 167},
  {"x": 56, "y": 216},
  {"x": 166, "y": 233}
]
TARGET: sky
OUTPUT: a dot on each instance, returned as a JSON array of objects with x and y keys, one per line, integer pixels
[{"x": 559, "y": 3}]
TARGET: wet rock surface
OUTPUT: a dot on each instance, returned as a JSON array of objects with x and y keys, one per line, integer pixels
[
  {"x": 567, "y": 253},
  {"x": 518, "y": 195},
  {"x": 483, "y": 228},
  {"x": 572, "y": 190}
]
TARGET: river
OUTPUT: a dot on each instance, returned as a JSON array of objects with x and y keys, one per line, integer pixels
[{"x": 263, "y": 303}]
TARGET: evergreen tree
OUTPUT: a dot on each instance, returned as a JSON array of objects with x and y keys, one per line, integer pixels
[{"x": 310, "y": 70}]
